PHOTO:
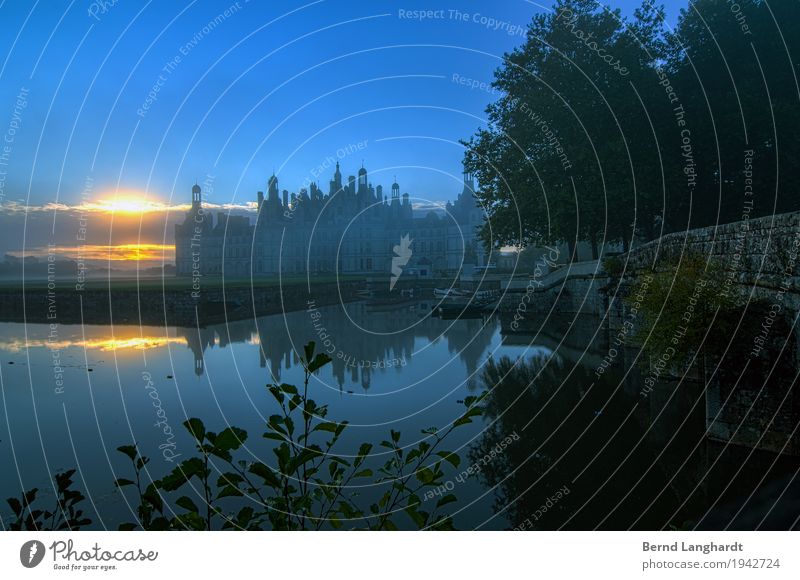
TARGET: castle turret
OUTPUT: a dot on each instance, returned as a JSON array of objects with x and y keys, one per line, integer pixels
[
  {"x": 273, "y": 189},
  {"x": 363, "y": 185},
  {"x": 197, "y": 198},
  {"x": 337, "y": 178},
  {"x": 469, "y": 184}
]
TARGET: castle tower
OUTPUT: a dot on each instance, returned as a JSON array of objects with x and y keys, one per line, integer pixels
[
  {"x": 197, "y": 198},
  {"x": 408, "y": 212},
  {"x": 337, "y": 179},
  {"x": 362, "y": 178},
  {"x": 363, "y": 185},
  {"x": 469, "y": 184},
  {"x": 273, "y": 189}
]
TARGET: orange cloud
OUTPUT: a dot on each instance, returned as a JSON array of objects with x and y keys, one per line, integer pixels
[
  {"x": 116, "y": 253},
  {"x": 102, "y": 344}
]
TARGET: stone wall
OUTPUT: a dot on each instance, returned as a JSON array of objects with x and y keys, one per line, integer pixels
[
  {"x": 759, "y": 255},
  {"x": 752, "y": 405}
]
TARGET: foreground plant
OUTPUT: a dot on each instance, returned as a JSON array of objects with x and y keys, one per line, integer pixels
[
  {"x": 64, "y": 515},
  {"x": 310, "y": 487}
]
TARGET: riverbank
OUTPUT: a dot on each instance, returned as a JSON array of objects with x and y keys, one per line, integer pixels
[{"x": 168, "y": 301}]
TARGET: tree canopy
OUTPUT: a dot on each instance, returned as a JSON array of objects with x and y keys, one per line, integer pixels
[{"x": 611, "y": 129}]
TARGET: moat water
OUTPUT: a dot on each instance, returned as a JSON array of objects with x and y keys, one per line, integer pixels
[{"x": 581, "y": 450}]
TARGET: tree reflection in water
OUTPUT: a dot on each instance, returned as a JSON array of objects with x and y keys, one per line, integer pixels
[{"x": 596, "y": 453}]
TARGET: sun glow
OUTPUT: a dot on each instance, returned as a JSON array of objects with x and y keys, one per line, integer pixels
[
  {"x": 117, "y": 253},
  {"x": 102, "y": 344},
  {"x": 127, "y": 204}
]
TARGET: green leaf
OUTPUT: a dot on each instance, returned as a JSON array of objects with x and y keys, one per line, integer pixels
[
  {"x": 266, "y": 474},
  {"x": 308, "y": 454},
  {"x": 129, "y": 450},
  {"x": 425, "y": 475},
  {"x": 418, "y": 518},
  {"x": 229, "y": 491},
  {"x": 151, "y": 495},
  {"x": 275, "y": 436},
  {"x": 196, "y": 428},
  {"x": 275, "y": 423},
  {"x": 390, "y": 525},
  {"x": 289, "y": 422},
  {"x": 15, "y": 505},
  {"x": 182, "y": 474},
  {"x": 122, "y": 482},
  {"x": 309, "y": 350},
  {"x": 231, "y": 438},
  {"x": 319, "y": 361},
  {"x": 450, "y": 457},
  {"x": 282, "y": 452},
  {"x": 229, "y": 478},
  {"x": 187, "y": 504},
  {"x": 449, "y": 498},
  {"x": 364, "y": 473},
  {"x": 289, "y": 389},
  {"x": 244, "y": 516},
  {"x": 295, "y": 402}
]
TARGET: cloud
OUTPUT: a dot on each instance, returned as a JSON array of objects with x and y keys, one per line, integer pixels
[
  {"x": 101, "y": 253},
  {"x": 122, "y": 230}
]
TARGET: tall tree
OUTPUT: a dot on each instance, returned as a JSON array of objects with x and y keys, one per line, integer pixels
[
  {"x": 612, "y": 129},
  {"x": 559, "y": 159}
]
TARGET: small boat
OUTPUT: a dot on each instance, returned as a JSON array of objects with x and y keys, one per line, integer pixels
[
  {"x": 460, "y": 309},
  {"x": 448, "y": 293}
]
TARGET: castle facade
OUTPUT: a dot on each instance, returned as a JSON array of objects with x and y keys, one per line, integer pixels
[{"x": 353, "y": 229}]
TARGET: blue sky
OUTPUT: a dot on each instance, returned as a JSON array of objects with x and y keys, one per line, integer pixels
[
  {"x": 276, "y": 85},
  {"x": 242, "y": 89}
]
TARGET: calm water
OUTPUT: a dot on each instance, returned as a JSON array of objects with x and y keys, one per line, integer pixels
[{"x": 586, "y": 452}]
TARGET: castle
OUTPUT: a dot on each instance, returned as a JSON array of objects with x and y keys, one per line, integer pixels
[{"x": 354, "y": 229}]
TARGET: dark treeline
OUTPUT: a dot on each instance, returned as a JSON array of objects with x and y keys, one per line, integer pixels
[{"x": 612, "y": 129}]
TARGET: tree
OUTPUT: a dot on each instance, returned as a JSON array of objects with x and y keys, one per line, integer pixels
[
  {"x": 560, "y": 158},
  {"x": 611, "y": 129}
]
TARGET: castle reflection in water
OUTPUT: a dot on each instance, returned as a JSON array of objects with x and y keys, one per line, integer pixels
[{"x": 360, "y": 340}]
